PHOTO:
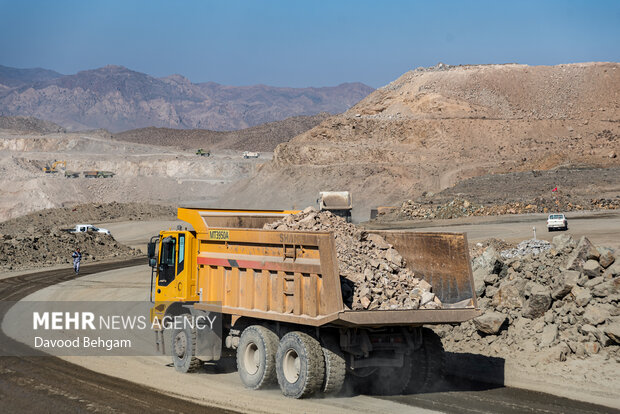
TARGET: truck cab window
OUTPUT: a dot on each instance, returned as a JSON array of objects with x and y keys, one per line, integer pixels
[{"x": 167, "y": 262}]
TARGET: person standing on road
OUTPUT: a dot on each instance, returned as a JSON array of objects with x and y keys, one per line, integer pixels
[{"x": 77, "y": 258}]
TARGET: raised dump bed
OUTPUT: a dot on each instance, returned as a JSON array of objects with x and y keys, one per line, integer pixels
[{"x": 282, "y": 290}]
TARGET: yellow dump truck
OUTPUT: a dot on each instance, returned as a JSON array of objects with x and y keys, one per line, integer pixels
[{"x": 277, "y": 296}]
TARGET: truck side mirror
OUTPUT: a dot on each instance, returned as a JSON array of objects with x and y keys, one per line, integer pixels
[
  {"x": 152, "y": 262},
  {"x": 151, "y": 250}
]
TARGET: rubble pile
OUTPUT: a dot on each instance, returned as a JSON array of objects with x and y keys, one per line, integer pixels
[
  {"x": 559, "y": 303},
  {"x": 53, "y": 246},
  {"x": 458, "y": 207},
  {"x": 37, "y": 239},
  {"x": 373, "y": 274},
  {"x": 532, "y": 246}
]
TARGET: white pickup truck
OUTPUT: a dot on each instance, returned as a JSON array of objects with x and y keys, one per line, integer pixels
[
  {"x": 82, "y": 228},
  {"x": 249, "y": 154},
  {"x": 557, "y": 222}
]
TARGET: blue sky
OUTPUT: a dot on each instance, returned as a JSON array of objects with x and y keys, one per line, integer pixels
[{"x": 302, "y": 43}]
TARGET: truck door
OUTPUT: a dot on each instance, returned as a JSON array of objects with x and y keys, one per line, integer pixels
[
  {"x": 176, "y": 280},
  {"x": 167, "y": 262}
]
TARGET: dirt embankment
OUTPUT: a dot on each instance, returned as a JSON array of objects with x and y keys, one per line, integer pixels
[
  {"x": 557, "y": 191},
  {"x": 264, "y": 137},
  {"x": 38, "y": 239},
  {"x": 428, "y": 130}
]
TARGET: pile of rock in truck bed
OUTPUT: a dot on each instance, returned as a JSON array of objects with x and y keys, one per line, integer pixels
[
  {"x": 373, "y": 274},
  {"x": 550, "y": 302}
]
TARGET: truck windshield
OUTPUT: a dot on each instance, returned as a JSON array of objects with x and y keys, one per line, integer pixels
[{"x": 556, "y": 216}]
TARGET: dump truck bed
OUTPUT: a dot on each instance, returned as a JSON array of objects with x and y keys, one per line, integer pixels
[{"x": 293, "y": 276}]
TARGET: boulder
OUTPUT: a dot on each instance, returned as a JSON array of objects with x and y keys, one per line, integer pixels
[
  {"x": 479, "y": 276},
  {"x": 490, "y": 323},
  {"x": 392, "y": 256},
  {"x": 378, "y": 241},
  {"x": 612, "y": 330},
  {"x": 594, "y": 282},
  {"x": 538, "y": 302},
  {"x": 565, "y": 283},
  {"x": 591, "y": 268},
  {"x": 509, "y": 295},
  {"x": 491, "y": 278},
  {"x": 607, "y": 257},
  {"x": 611, "y": 287},
  {"x": 595, "y": 315},
  {"x": 490, "y": 261},
  {"x": 613, "y": 270},
  {"x": 584, "y": 251},
  {"x": 581, "y": 295},
  {"x": 563, "y": 241},
  {"x": 549, "y": 335}
]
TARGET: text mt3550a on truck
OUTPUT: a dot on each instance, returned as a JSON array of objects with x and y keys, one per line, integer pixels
[{"x": 277, "y": 298}]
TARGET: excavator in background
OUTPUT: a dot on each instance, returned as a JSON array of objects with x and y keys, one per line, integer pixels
[
  {"x": 203, "y": 153},
  {"x": 55, "y": 166}
]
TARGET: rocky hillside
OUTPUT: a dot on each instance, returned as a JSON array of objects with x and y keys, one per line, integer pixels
[
  {"x": 264, "y": 137},
  {"x": 433, "y": 127},
  {"x": 28, "y": 124},
  {"x": 118, "y": 99}
]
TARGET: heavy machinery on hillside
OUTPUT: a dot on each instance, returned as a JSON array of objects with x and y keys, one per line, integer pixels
[
  {"x": 277, "y": 296},
  {"x": 55, "y": 167},
  {"x": 98, "y": 174},
  {"x": 337, "y": 202},
  {"x": 203, "y": 153}
]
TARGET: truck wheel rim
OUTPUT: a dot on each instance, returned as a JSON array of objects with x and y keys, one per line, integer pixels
[
  {"x": 180, "y": 344},
  {"x": 251, "y": 358},
  {"x": 291, "y": 366}
]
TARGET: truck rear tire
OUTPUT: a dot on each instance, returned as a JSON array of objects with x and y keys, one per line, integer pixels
[
  {"x": 183, "y": 349},
  {"x": 428, "y": 363},
  {"x": 300, "y": 365},
  {"x": 256, "y": 357},
  {"x": 335, "y": 366}
]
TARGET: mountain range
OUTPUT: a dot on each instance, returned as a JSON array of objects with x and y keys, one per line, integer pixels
[{"x": 118, "y": 99}]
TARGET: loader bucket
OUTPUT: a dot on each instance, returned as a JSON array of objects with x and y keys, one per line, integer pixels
[{"x": 442, "y": 259}]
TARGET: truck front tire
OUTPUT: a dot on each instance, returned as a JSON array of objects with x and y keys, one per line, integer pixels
[
  {"x": 183, "y": 348},
  {"x": 300, "y": 365},
  {"x": 256, "y": 357}
]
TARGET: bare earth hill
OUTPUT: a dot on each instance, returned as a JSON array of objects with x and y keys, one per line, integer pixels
[
  {"x": 117, "y": 99},
  {"x": 433, "y": 127},
  {"x": 264, "y": 137}
]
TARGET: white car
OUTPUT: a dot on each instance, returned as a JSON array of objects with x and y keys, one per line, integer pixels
[
  {"x": 82, "y": 228},
  {"x": 557, "y": 222}
]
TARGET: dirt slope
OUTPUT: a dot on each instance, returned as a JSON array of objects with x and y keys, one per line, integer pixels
[
  {"x": 433, "y": 127},
  {"x": 264, "y": 137}
]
